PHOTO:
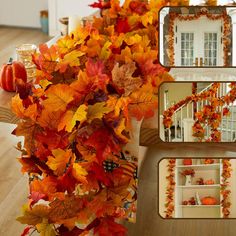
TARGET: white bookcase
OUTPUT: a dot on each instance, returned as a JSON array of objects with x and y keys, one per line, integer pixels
[{"x": 184, "y": 193}]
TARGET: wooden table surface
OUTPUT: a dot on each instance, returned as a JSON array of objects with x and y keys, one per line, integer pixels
[{"x": 13, "y": 185}]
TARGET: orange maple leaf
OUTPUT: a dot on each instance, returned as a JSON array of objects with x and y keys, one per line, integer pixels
[
  {"x": 59, "y": 160},
  {"x": 58, "y": 97}
]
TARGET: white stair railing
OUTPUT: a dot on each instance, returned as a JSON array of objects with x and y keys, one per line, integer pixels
[{"x": 183, "y": 120}]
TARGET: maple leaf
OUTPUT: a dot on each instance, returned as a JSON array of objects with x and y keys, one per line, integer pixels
[
  {"x": 122, "y": 26},
  {"x": 106, "y": 51},
  {"x": 67, "y": 182},
  {"x": 65, "y": 209},
  {"x": 35, "y": 197},
  {"x": 58, "y": 97},
  {"x": 29, "y": 166},
  {"x": 46, "y": 186},
  {"x": 84, "y": 84},
  {"x": 52, "y": 139},
  {"x": 103, "y": 142},
  {"x": 22, "y": 112},
  {"x": 49, "y": 119},
  {"x": 120, "y": 128},
  {"x": 23, "y": 89},
  {"x": 67, "y": 44},
  {"x": 122, "y": 78},
  {"x": 47, "y": 59},
  {"x": 80, "y": 115},
  {"x": 35, "y": 215},
  {"x": 70, "y": 59},
  {"x": 59, "y": 160},
  {"x": 101, "y": 4},
  {"x": 46, "y": 229},
  {"x": 119, "y": 104},
  {"x": 29, "y": 130},
  {"x": 79, "y": 173},
  {"x": 65, "y": 120},
  {"x": 97, "y": 111},
  {"x": 108, "y": 226},
  {"x": 100, "y": 174},
  {"x": 143, "y": 103},
  {"x": 96, "y": 69}
]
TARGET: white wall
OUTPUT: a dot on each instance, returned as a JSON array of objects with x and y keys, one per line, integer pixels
[
  {"x": 21, "y": 12},
  {"x": 65, "y": 8}
]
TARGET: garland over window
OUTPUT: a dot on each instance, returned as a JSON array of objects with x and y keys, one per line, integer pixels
[{"x": 203, "y": 12}]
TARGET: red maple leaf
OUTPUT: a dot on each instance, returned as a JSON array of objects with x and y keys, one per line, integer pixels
[
  {"x": 108, "y": 226},
  {"x": 122, "y": 26},
  {"x": 35, "y": 197},
  {"x": 138, "y": 7},
  {"x": 67, "y": 182},
  {"x": 53, "y": 140},
  {"x": 104, "y": 143},
  {"x": 101, "y": 4},
  {"x": 100, "y": 174}
]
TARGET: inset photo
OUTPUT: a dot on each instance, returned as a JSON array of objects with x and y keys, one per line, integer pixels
[
  {"x": 197, "y": 188},
  {"x": 197, "y": 112},
  {"x": 197, "y": 36}
]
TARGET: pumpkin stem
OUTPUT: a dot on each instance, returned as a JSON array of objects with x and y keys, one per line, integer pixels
[{"x": 10, "y": 61}]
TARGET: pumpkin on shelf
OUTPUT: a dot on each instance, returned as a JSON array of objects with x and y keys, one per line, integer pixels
[
  {"x": 209, "y": 161},
  {"x": 209, "y": 182},
  {"x": 10, "y": 73},
  {"x": 187, "y": 162},
  {"x": 200, "y": 181},
  {"x": 208, "y": 201}
]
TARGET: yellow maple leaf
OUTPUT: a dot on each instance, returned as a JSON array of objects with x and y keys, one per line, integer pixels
[
  {"x": 44, "y": 83},
  {"x": 22, "y": 112},
  {"x": 33, "y": 216},
  {"x": 59, "y": 160},
  {"x": 46, "y": 229},
  {"x": 106, "y": 51},
  {"x": 71, "y": 59},
  {"x": 79, "y": 173},
  {"x": 27, "y": 129},
  {"x": 58, "y": 97},
  {"x": 97, "y": 111},
  {"x": 120, "y": 128},
  {"x": 65, "y": 120},
  {"x": 80, "y": 115}
]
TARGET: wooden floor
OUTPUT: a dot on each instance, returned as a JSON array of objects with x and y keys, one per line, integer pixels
[
  {"x": 11, "y": 37},
  {"x": 13, "y": 186}
]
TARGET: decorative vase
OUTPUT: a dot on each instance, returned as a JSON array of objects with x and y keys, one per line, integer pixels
[{"x": 188, "y": 180}]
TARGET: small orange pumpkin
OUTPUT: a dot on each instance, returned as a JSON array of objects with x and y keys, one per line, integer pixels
[
  {"x": 209, "y": 182},
  {"x": 187, "y": 162},
  {"x": 209, "y": 201},
  {"x": 10, "y": 73}
]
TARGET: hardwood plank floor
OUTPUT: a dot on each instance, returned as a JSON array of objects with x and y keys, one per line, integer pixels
[{"x": 10, "y": 37}]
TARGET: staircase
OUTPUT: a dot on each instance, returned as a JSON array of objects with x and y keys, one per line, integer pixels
[{"x": 183, "y": 120}]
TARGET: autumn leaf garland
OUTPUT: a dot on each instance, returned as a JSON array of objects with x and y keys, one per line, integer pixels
[
  {"x": 76, "y": 120},
  {"x": 170, "y": 191},
  {"x": 225, "y": 192}
]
